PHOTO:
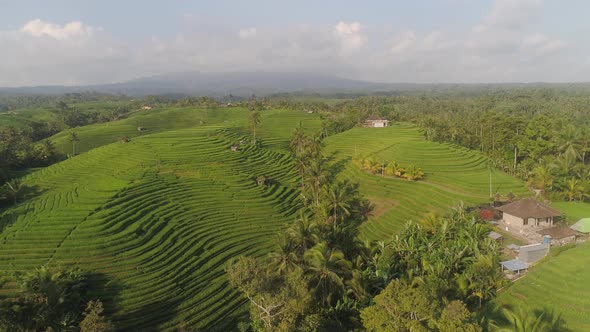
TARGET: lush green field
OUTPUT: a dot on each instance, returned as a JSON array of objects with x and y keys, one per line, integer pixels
[
  {"x": 573, "y": 211},
  {"x": 153, "y": 121},
  {"x": 561, "y": 284},
  {"x": 155, "y": 219},
  {"x": 452, "y": 175}
]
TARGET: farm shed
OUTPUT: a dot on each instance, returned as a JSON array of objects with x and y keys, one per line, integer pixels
[
  {"x": 495, "y": 236},
  {"x": 514, "y": 265},
  {"x": 560, "y": 234},
  {"x": 532, "y": 253},
  {"x": 528, "y": 213},
  {"x": 582, "y": 226},
  {"x": 376, "y": 122}
]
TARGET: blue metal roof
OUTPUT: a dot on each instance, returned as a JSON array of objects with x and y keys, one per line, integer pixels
[{"x": 514, "y": 265}]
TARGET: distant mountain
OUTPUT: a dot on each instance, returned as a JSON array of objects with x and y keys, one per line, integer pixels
[
  {"x": 211, "y": 84},
  {"x": 244, "y": 84}
]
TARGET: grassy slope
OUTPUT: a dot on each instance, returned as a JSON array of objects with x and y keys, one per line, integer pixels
[
  {"x": 155, "y": 219},
  {"x": 573, "y": 211},
  {"x": 560, "y": 283},
  {"x": 154, "y": 121},
  {"x": 452, "y": 174}
]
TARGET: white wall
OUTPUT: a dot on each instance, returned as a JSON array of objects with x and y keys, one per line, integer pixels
[{"x": 512, "y": 220}]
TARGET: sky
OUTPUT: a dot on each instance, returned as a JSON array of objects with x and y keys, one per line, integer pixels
[{"x": 80, "y": 42}]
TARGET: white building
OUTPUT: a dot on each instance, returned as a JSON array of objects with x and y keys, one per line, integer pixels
[
  {"x": 376, "y": 122},
  {"x": 528, "y": 213}
]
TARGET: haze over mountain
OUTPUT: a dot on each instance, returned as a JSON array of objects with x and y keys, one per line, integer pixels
[
  {"x": 245, "y": 84},
  {"x": 212, "y": 84}
]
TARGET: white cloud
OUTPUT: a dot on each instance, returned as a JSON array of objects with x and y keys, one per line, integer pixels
[
  {"x": 76, "y": 29},
  {"x": 541, "y": 44},
  {"x": 247, "y": 33},
  {"x": 509, "y": 14},
  {"x": 403, "y": 42},
  {"x": 503, "y": 45},
  {"x": 350, "y": 34}
]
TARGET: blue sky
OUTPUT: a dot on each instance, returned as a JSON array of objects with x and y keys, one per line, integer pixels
[{"x": 87, "y": 42}]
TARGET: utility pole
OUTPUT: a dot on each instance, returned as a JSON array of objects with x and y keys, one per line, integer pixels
[{"x": 490, "y": 182}]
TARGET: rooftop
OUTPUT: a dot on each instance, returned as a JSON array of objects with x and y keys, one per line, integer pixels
[
  {"x": 514, "y": 265},
  {"x": 534, "y": 247},
  {"x": 583, "y": 225},
  {"x": 495, "y": 236},
  {"x": 558, "y": 232},
  {"x": 375, "y": 118},
  {"x": 529, "y": 208}
]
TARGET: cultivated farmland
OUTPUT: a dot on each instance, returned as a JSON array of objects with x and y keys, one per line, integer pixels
[
  {"x": 558, "y": 284},
  {"x": 453, "y": 174},
  {"x": 156, "y": 218}
]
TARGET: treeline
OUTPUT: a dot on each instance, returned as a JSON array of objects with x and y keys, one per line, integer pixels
[
  {"x": 436, "y": 277},
  {"x": 15, "y": 101}
]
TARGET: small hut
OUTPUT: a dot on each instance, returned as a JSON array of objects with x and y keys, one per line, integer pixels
[
  {"x": 374, "y": 121},
  {"x": 496, "y": 237},
  {"x": 140, "y": 129},
  {"x": 559, "y": 235}
]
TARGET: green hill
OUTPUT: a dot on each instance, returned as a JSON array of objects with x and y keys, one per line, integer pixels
[
  {"x": 155, "y": 219},
  {"x": 452, "y": 175},
  {"x": 153, "y": 121}
]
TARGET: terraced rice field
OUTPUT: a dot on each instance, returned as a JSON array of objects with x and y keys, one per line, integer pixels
[
  {"x": 155, "y": 220},
  {"x": 560, "y": 284},
  {"x": 154, "y": 121},
  {"x": 453, "y": 174}
]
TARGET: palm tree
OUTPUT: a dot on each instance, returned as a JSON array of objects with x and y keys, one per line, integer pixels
[
  {"x": 254, "y": 119},
  {"x": 58, "y": 296},
  {"x": 326, "y": 267},
  {"x": 13, "y": 189},
  {"x": 568, "y": 141},
  {"x": 314, "y": 145},
  {"x": 285, "y": 258},
  {"x": 574, "y": 189},
  {"x": 527, "y": 320},
  {"x": 542, "y": 178},
  {"x": 298, "y": 140},
  {"x": 316, "y": 177},
  {"x": 303, "y": 234},
  {"x": 337, "y": 199},
  {"x": 74, "y": 138},
  {"x": 564, "y": 164}
]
